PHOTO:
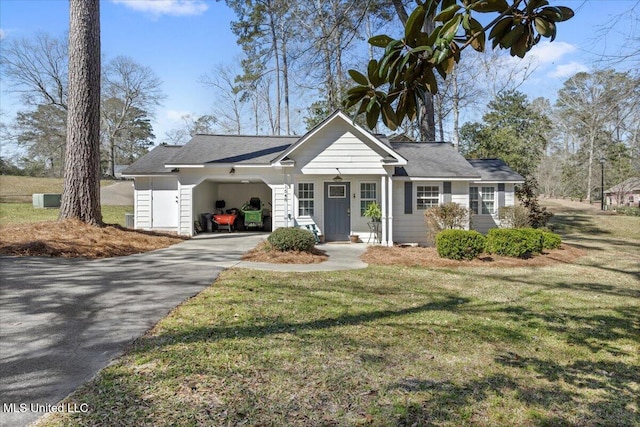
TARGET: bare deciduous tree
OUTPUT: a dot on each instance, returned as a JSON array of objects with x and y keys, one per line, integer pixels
[
  {"x": 37, "y": 69},
  {"x": 128, "y": 89},
  {"x": 229, "y": 104}
]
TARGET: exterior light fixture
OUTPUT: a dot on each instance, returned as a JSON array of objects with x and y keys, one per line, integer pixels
[
  {"x": 232, "y": 171},
  {"x": 337, "y": 178}
]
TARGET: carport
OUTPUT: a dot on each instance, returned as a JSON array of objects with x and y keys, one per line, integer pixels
[{"x": 235, "y": 192}]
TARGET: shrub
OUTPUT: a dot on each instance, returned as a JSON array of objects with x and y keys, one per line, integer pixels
[
  {"x": 539, "y": 216},
  {"x": 514, "y": 242},
  {"x": 449, "y": 216},
  {"x": 514, "y": 216},
  {"x": 628, "y": 210},
  {"x": 550, "y": 240},
  {"x": 292, "y": 239},
  {"x": 459, "y": 244}
]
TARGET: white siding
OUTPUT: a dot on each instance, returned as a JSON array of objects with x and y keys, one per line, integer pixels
[
  {"x": 460, "y": 193},
  {"x": 205, "y": 195},
  {"x": 339, "y": 146},
  {"x": 407, "y": 228},
  {"x": 142, "y": 203},
  {"x": 509, "y": 194},
  {"x": 186, "y": 210},
  {"x": 412, "y": 228},
  {"x": 347, "y": 153},
  {"x": 278, "y": 211},
  {"x": 483, "y": 223},
  {"x": 162, "y": 201}
]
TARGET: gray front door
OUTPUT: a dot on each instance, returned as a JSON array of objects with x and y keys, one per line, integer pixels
[{"x": 337, "y": 221}]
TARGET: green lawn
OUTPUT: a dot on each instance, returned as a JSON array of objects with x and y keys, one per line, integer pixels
[
  {"x": 16, "y": 205},
  {"x": 20, "y": 188},
  {"x": 393, "y": 346},
  {"x": 12, "y": 213}
]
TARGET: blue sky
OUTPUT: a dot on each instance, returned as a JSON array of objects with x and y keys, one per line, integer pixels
[{"x": 180, "y": 40}]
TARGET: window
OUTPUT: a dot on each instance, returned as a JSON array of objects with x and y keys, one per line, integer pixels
[
  {"x": 337, "y": 191},
  {"x": 482, "y": 197},
  {"x": 488, "y": 199},
  {"x": 367, "y": 195},
  {"x": 305, "y": 199},
  {"x": 427, "y": 196}
]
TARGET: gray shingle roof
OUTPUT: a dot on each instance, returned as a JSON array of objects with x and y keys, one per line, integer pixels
[
  {"x": 231, "y": 149},
  {"x": 153, "y": 162},
  {"x": 628, "y": 186},
  {"x": 433, "y": 160},
  {"x": 495, "y": 170}
]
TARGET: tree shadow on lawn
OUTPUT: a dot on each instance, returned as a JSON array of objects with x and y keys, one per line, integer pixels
[
  {"x": 594, "y": 332},
  {"x": 265, "y": 327},
  {"x": 550, "y": 402},
  {"x": 554, "y": 283},
  {"x": 565, "y": 223}
]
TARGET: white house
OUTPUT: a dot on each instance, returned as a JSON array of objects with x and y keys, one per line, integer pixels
[{"x": 326, "y": 177}]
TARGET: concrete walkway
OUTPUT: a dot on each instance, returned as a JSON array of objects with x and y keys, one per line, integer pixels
[
  {"x": 62, "y": 320},
  {"x": 342, "y": 256}
]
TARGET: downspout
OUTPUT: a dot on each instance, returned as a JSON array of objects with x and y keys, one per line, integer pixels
[
  {"x": 390, "y": 211},
  {"x": 383, "y": 199}
]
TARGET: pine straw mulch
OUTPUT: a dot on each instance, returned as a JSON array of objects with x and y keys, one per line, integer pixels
[
  {"x": 264, "y": 252},
  {"x": 428, "y": 257},
  {"x": 75, "y": 239}
]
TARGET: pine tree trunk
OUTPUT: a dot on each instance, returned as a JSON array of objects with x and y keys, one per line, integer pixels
[
  {"x": 456, "y": 110},
  {"x": 427, "y": 111},
  {"x": 285, "y": 74},
  {"x": 276, "y": 56},
  {"x": 81, "y": 195}
]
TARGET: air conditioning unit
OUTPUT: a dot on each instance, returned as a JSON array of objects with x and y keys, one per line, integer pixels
[{"x": 41, "y": 201}]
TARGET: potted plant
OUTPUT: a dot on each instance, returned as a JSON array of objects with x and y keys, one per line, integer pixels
[
  {"x": 373, "y": 212},
  {"x": 354, "y": 238}
]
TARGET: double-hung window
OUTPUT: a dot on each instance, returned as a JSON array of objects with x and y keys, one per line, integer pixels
[
  {"x": 482, "y": 200},
  {"x": 367, "y": 195},
  {"x": 305, "y": 199},
  {"x": 427, "y": 196}
]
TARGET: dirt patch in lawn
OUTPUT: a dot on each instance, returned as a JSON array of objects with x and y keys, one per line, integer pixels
[
  {"x": 265, "y": 253},
  {"x": 75, "y": 239},
  {"x": 428, "y": 257}
]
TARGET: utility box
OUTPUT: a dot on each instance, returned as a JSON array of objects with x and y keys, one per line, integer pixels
[
  {"x": 128, "y": 220},
  {"x": 41, "y": 201}
]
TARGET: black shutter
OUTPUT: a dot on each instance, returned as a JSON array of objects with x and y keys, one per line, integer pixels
[
  {"x": 408, "y": 197},
  {"x": 446, "y": 192},
  {"x": 500, "y": 195}
]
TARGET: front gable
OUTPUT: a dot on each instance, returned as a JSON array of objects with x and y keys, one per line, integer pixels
[{"x": 339, "y": 144}]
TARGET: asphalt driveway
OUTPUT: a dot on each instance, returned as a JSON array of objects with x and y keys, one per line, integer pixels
[{"x": 62, "y": 320}]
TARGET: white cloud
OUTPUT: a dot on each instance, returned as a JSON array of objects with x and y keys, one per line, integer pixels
[
  {"x": 166, "y": 7},
  {"x": 3, "y": 34},
  {"x": 177, "y": 116},
  {"x": 548, "y": 52},
  {"x": 568, "y": 70}
]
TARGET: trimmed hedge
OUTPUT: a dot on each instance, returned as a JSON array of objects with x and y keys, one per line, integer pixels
[
  {"x": 514, "y": 242},
  {"x": 550, "y": 240},
  {"x": 292, "y": 239},
  {"x": 459, "y": 244}
]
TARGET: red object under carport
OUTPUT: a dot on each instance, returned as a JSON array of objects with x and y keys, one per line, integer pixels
[{"x": 225, "y": 221}]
